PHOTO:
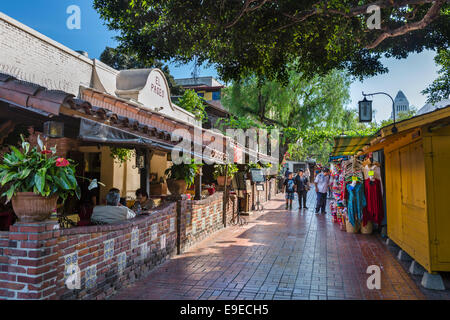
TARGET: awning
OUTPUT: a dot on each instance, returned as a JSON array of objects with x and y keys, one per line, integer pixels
[
  {"x": 97, "y": 132},
  {"x": 348, "y": 146}
]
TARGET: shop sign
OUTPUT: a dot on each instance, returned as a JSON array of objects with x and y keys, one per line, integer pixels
[{"x": 159, "y": 93}]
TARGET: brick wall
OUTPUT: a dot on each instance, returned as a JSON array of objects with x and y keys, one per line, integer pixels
[
  {"x": 39, "y": 256},
  {"x": 63, "y": 145},
  {"x": 36, "y": 259},
  {"x": 200, "y": 218},
  {"x": 5, "y": 277}
]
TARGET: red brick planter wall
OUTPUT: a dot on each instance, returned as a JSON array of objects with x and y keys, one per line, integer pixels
[
  {"x": 37, "y": 255},
  {"x": 200, "y": 218}
]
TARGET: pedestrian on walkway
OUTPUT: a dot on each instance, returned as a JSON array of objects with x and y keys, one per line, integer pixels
[
  {"x": 301, "y": 183},
  {"x": 289, "y": 188},
  {"x": 322, "y": 182}
]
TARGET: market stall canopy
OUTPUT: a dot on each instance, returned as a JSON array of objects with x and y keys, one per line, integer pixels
[{"x": 348, "y": 146}]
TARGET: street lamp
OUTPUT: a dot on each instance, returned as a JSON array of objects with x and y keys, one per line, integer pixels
[
  {"x": 365, "y": 110},
  {"x": 366, "y": 103}
]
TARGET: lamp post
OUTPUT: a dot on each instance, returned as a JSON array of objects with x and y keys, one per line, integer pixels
[{"x": 394, "y": 128}]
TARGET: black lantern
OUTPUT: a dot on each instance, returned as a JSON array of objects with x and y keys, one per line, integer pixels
[
  {"x": 140, "y": 160},
  {"x": 54, "y": 129},
  {"x": 365, "y": 110}
]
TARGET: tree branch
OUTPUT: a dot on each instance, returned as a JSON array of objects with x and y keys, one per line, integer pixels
[
  {"x": 305, "y": 14},
  {"x": 246, "y": 8},
  {"x": 432, "y": 14}
]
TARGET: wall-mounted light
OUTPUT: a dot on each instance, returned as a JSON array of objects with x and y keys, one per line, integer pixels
[
  {"x": 140, "y": 160},
  {"x": 54, "y": 129}
]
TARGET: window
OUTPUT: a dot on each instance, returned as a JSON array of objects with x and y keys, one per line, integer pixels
[{"x": 216, "y": 95}]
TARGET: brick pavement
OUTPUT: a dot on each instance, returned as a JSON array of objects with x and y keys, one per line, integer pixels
[{"x": 280, "y": 254}]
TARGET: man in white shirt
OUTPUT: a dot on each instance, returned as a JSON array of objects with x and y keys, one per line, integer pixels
[
  {"x": 113, "y": 211},
  {"x": 322, "y": 183}
]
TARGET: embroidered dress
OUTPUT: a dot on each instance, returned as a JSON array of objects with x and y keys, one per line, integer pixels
[{"x": 356, "y": 203}]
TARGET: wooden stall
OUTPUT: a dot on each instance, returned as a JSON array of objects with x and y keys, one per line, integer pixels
[{"x": 417, "y": 193}]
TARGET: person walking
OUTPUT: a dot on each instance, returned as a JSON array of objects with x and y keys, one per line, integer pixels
[
  {"x": 322, "y": 182},
  {"x": 289, "y": 188},
  {"x": 301, "y": 182}
]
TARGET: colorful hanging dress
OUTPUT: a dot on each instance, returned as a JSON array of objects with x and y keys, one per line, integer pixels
[
  {"x": 374, "y": 211},
  {"x": 356, "y": 203}
]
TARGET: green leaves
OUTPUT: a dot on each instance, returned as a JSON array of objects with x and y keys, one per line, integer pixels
[
  {"x": 30, "y": 170},
  {"x": 39, "y": 180},
  {"x": 183, "y": 171},
  {"x": 221, "y": 170},
  {"x": 193, "y": 103},
  {"x": 440, "y": 88},
  {"x": 321, "y": 35}
]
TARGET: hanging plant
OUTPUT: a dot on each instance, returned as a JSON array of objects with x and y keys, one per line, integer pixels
[{"x": 122, "y": 155}]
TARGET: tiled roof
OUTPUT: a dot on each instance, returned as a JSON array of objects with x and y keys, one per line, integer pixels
[
  {"x": 57, "y": 102},
  {"x": 34, "y": 96}
]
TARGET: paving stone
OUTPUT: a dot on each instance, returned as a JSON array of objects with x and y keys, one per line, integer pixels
[{"x": 279, "y": 255}]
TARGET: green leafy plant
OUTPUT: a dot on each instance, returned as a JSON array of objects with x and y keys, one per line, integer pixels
[
  {"x": 121, "y": 155},
  {"x": 220, "y": 170},
  {"x": 41, "y": 172},
  {"x": 192, "y": 102},
  {"x": 184, "y": 172}
]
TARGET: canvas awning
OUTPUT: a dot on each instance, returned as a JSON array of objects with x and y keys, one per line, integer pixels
[{"x": 348, "y": 146}]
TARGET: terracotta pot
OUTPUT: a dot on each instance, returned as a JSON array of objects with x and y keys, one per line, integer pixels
[
  {"x": 176, "y": 187},
  {"x": 221, "y": 180},
  {"x": 30, "y": 207}
]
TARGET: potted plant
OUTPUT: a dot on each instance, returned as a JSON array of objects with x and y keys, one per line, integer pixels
[
  {"x": 181, "y": 176},
  {"x": 220, "y": 170},
  {"x": 249, "y": 166},
  {"x": 35, "y": 179}
]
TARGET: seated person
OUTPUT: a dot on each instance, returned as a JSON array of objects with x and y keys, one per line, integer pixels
[
  {"x": 143, "y": 200},
  {"x": 113, "y": 211}
]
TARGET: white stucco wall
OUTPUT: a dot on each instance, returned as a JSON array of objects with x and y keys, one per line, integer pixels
[{"x": 31, "y": 56}]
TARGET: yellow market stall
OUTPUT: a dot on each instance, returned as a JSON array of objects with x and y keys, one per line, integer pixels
[{"x": 417, "y": 164}]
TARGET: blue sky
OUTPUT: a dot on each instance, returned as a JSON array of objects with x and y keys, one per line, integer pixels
[{"x": 49, "y": 17}]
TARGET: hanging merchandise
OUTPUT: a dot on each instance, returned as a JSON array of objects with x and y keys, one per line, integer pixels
[
  {"x": 356, "y": 201},
  {"x": 374, "y": 210}
]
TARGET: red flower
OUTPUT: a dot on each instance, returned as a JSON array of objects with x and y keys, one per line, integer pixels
[
  {"x": 46, "y": 151},
  {"x": 61, "y": 162}
]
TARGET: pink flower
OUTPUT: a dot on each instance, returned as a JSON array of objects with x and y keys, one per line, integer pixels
[{"x": 61, "y": 162}]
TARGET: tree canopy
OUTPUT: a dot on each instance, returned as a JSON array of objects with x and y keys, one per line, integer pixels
[
  {"x": 193, "y": 103},
  {"x": 309, "y": 112},
  {"x": 440, "y": 88},
  {"x": 262, "y": 36}
]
